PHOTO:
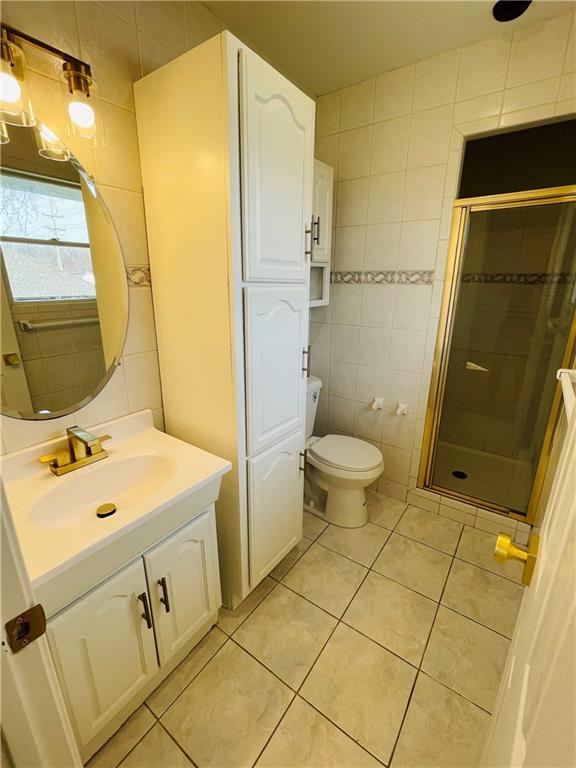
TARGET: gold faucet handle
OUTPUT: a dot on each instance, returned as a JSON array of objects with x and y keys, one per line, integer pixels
[
  {"x": 58, "y": 459},
  {"x": 96, "y": 447}
]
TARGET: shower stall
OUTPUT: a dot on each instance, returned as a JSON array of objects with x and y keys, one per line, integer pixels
[{"x": 507, "y": 324}]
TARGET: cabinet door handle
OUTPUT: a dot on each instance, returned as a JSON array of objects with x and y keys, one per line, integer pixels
[
  {"x": 316, "y": 237},
  {"x": 165, "y": 600},
  {"x": 308, "y": 252},
  {"x": 305, "y": 361},
  {"x": 146, "y": 615}
]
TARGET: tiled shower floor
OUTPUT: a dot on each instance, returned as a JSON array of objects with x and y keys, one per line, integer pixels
[{"x": 379, "y": 645}]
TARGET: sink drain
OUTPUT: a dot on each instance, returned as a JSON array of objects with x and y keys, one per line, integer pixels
[{"x": 105, "y": 510}]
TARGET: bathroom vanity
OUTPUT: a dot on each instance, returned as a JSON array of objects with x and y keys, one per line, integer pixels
[{"x": 129, "y": 595}]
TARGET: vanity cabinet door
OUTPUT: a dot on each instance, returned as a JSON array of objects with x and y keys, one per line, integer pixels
[
  {"x": 276, "y": 357},
  {"x": 104, "y": 650},
  {"x": 184, "y": 583},
  {"x": 322, "y": 212},
  {"x": 275, "y": 491},
  {"x": 277, "y": 141}
]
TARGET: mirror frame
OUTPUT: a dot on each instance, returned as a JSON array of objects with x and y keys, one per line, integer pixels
[{"x": 23, "y": 416}]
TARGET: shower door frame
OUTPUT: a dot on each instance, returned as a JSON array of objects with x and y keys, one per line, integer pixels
[{"x": 462, "y": 209}]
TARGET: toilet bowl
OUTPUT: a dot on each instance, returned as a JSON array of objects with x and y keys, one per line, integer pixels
[{"x": 342, "y": 467}]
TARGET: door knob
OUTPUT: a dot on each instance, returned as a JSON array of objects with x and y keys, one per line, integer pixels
[{"x": 505, "y": 550}]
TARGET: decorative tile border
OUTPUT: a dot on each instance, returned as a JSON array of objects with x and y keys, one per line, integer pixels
[
  {"x": 389, "y": 277},
  {"x": 518, "y": 278},
  {"x": 138, "y": 276}
]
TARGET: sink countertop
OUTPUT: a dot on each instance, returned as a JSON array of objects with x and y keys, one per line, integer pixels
[{"x": 53, "y": 537}]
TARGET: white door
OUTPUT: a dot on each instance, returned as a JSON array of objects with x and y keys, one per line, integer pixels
[
  {"x": 35, "y": 722},
  {"x": 277, "y": 144},
  {"x": 184, "y": 584},
  {"x": 276, "y": 362},
  {"x": 104, "y": 650},
  {"x": 275, "y": 492},
  {"x": 534, "y": 721},
  {"x": 322, "y": 212}
]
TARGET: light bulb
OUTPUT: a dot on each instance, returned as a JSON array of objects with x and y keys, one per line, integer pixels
[
  {"x": 81, "y": 114},
  {"x": 10, "y": 90}
]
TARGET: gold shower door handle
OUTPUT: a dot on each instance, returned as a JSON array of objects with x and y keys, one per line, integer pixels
[{"x": 506, "y": 550}]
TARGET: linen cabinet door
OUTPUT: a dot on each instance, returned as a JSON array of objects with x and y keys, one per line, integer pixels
[
  {"x": 275, "y": 493},
  {"x": 322, "y": 212},
  {"x": 276, "y": 360},
  {"x": 104, "y": 650},
  {"x": 184, "y": 584},
  {"x": 277, "y": 141}
]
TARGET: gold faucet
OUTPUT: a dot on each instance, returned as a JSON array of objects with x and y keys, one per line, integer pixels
[{"x": 83, "y": 448}]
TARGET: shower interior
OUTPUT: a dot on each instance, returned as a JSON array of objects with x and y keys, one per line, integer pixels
[{"x": 507, "y": 326}]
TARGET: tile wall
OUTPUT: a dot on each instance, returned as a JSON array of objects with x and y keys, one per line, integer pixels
[
  {"x": 396, "y": 143},
  {"x": 122, "y": 41},
  {"x": 63, "y": 365}
]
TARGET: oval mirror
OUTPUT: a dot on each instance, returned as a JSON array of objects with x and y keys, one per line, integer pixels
[{"x": 64, "y": 293}]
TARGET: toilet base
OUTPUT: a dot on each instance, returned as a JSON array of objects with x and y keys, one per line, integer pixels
[
  {"x": 345, "y": 503},
  {"x": 347, "y": 507}
]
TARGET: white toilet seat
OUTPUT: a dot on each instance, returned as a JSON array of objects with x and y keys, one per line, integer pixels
[{"x": 344, "y": 454}]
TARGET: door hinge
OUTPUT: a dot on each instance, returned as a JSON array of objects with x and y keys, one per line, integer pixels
[
  {"x": 302, "y": 464},
  {"x": 25, "y": 628}
]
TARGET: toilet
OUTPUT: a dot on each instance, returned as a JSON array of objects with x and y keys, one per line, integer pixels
[{"x": 338, "y": 469}]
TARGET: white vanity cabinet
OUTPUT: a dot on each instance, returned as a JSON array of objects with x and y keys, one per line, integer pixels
[
  {"x": 183, "y": 584},
  {"x": 114, "y": 645},
  {"x": 104, "y": 650},
  {"x": 226, "y": 148}
]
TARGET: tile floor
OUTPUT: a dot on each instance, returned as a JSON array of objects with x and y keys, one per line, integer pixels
[{"x": 382, "y": 645}]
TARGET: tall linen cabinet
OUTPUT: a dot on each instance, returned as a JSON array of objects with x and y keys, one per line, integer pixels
[{"x": 226, "y": 146}]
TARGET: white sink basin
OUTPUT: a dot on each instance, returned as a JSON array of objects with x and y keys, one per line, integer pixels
[
  {"x": 156, "y": 482},
  {"x": 125, "y": 482}
]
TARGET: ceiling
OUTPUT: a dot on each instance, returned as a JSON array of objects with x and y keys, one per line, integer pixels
[{"x": 323, "y": 46}]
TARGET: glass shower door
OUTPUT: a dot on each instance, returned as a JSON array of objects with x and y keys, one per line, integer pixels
[{"x": 511, "y": 326}]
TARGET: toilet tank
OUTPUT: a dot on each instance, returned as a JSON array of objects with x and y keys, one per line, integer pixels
[{"x": 313, "y": 394}]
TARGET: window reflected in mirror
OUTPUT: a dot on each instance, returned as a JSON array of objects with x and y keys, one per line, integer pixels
[{"x": 63, "y": 283}]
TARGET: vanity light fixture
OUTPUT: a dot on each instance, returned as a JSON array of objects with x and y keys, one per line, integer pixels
[
  {"x": 82, "y": 104},
  {"x": 49, "y": 145},
  {"x": 15, "y": 105}
]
